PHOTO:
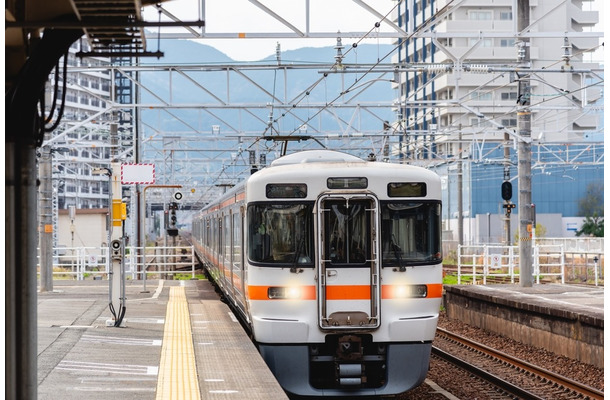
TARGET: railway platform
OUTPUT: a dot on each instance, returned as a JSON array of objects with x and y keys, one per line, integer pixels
[
  {"x": 564, "y": 319},
  {"x": 177, "y": 341}
]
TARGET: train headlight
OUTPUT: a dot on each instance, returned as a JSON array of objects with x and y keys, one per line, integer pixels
[
  {"x": 410, "y": 291},
  {"x": 419, "y": 291},
  {"x": 289, "y": 293},
  {"x": 401, "y": 292}
]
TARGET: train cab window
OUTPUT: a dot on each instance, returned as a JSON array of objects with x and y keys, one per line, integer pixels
[
  {"x": 410, "y": 233},
  {"x": 281, "y": 234},
  {"x": 347, "y": 229}
]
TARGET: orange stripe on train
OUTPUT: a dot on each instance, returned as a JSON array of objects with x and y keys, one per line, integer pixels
[
  {"x": 348, "y": 292},
  {"x": 344, "y": 292},
  {"x": 262, "y": 292}
]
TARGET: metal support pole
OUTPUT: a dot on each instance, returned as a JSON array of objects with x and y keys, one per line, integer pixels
[
  {"x": 22, "y": 132},
  {"x": 45, "y": 212},
  {"x": 116, "y": 290},
  {"x": 460, "y": 188},
  {"x": 507, "y": 233},
  {"x": 142, "y": 236},
  {"x": 524, "y": 121},
  {"x": 20, "y": 258}
]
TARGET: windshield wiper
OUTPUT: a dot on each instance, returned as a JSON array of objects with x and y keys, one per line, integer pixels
[
  {"x": 398, "y": 254},
  {"x": 297, "y": 254}
]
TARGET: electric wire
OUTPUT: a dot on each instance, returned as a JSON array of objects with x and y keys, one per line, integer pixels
[
  {"x": 43, "y": 121},
  {"x": 304, "y": 96}
]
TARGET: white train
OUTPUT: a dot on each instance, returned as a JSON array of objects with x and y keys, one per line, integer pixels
[{"x": 334, "y": 264}]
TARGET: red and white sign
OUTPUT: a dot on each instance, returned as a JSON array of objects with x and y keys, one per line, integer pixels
[{"x": 137, "y": 173}]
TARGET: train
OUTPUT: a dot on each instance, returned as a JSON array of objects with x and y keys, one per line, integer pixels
[{"x": 334, "y": 263}]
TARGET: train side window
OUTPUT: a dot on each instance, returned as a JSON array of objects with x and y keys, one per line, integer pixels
[
  {"x": 237, "y": 240},
  {"x": 226, "y": 240}
]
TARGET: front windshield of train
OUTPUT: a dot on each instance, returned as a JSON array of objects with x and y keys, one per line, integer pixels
[
  {"x": 281, "y": 234},
  {"x": 410, "y": 233}
]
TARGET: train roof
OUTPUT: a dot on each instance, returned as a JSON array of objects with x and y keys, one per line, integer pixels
[
  {"x": 314, "y": 156},
  {"x": 318, "y": 163}
]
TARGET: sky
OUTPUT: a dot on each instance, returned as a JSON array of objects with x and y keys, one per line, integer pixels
[
  {"x": 330, "y": 16},
  {"x": 242, "y": 16}
]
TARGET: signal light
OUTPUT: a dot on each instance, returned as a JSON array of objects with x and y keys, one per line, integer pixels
[
  {"x": 509, "y": 207},
  {"x": 116, "y": 246},
  {"x": 172, "y": 230},
  {"x": 507, "y": 190}
]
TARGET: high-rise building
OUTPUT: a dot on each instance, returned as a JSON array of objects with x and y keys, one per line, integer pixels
[
  {"x": 459, "y": 99},
  {"x": 462, "y": 78},
  {"x": 81, "y": 144}
]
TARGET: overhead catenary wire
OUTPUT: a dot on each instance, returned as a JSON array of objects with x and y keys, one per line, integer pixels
[{"x": 305, "y": 96}]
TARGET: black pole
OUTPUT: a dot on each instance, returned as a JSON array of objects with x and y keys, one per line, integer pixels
[{"x": 23, "y": 136}]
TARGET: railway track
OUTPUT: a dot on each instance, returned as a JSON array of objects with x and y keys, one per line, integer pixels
[{"x": 513, "y": 377}]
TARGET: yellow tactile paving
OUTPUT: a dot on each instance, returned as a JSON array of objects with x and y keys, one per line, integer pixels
[{"x": 177, "y": 370}]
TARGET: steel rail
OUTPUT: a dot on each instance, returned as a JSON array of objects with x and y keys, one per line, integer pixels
[
  {"x": 545, "y": 374},
  {"x": 487, "y": 376}
]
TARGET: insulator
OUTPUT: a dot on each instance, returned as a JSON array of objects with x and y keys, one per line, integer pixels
[
  {"x": 478, "y": 68},
  {"x": 437, "y": 68},
  {"x": 339, "y": 48},
  {"x": 567, "y": 53}
]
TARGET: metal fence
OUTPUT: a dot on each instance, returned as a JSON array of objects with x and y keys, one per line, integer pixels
[
  {"x": 140, "y": 262},
  {"x": 498, "y": 263},
  {"x": 487, "y": 261}
]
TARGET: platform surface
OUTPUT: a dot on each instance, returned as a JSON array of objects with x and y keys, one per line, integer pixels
[{"x": 149, "y": 357}]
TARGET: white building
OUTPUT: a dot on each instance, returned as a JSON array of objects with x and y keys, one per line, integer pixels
[
  {"x": 459, "y": 77},
  {"x": 458, "y": 105},
  {"x": 81, "y": 143}
]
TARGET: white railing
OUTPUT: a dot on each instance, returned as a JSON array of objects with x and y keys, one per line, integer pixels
[
  {"x": 549, "y": 260},
  {"x": 140, "y": 262},
  {"x": 480, "y": 262},
  {"x": 493, "y": 261}
]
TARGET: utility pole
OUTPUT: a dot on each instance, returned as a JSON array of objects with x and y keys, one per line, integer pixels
[
  {"x": 524, "y": 126},
  {"x": 507, "y": 179},
  {"x": 45, "y": 212},
  {"x": 460, "y": 189}
]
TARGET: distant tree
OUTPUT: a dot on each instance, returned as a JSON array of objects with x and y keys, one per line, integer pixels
[
  {"x": 591, "y": 206},
  {"x": 593, "y": 201},
  {"x": 593, "y": 226}
]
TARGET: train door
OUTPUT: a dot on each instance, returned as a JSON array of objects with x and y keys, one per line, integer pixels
[{"x": 349, "y": 289}]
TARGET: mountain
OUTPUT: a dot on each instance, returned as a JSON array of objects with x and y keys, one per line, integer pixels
[
  {"x": 194, "y": 90},
  {"x": 180, "y": 51}
]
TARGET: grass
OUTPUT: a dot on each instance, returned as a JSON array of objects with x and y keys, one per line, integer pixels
[
  {"x": 186, "y": 277},
  {"x": 451, "y": 279}
]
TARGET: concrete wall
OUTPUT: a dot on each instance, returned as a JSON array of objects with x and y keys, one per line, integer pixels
[{"x": 569, "y": 333}]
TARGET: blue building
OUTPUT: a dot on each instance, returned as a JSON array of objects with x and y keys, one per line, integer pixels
[{"x": 561, "y": 175}]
